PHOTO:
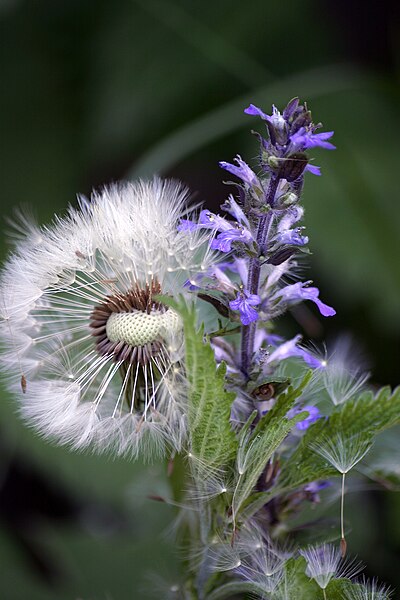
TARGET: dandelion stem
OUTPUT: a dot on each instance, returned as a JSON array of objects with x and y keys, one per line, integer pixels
[
  {"x": 253, "y": 279},
  {"x": 324, "y": 592},
  {"x": 343, "y": 544}
]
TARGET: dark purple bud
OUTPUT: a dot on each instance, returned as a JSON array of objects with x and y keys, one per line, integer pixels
[
  {"x": 303, "y": 119},
  {"x": 217, "y": 304},
  {"x": 290, "y": 108},
  {"x": 281, "y": 256},
  {"x": 290, "y": 168}
]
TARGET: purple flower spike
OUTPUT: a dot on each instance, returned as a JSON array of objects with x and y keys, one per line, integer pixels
[
  {"x": 256, "y": 112},
  {"x": 244, "y": 303},
  {"x": 242, "y": 170},
  {"x": 313, "y": 415},
  {"x": 299, "y": 291}
]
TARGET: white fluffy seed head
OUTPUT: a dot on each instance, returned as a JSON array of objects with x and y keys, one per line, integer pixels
[{"x": 124, "y": 238}]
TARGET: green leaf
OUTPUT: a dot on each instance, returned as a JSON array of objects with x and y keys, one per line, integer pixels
[
  {"x": 365, "y": 416},
  {"x": 228, "y": 590},
  {"x": 297, "y": 584},
  {"x": 213, "y": 442},
  {"x": 257, "y": 446}
]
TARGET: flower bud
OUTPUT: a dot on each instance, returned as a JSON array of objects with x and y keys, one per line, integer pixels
[
  {"x": 286, "y": 200},
  {"x": 292, "y": 167}
]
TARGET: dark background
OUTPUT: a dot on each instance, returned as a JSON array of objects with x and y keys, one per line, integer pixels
[{"x": 93, "y": 92}]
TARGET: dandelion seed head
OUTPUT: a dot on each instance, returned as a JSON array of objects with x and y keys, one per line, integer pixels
[{"x": 100, "y": 354}]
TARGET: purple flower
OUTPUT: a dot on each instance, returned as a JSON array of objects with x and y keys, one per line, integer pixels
[
  {"x": 293, "y": 237},
  {"x": 232, "y": 207},
  {"x": 299, "y": 291},
  {"x": 187, "y": 225},
  {"x": 191, "y": 285},
  {"x": 290, "y": 217},
  {"x": 276, "y": 123},
  {"x": 285, "y": 350},
  {"x": 223, "y": 241},
  {"x": 209, "y": 220},
  {"x": 313, "y": 415},
  {"x": 308, "y": 139},
  {"x": 242, "y": 171},
  {"x": 316, "y": 486},
  {"x": 230, "y": 231},
  {"x": 244, "y": 303},
  {"x": 256, "y": 112},
  {"x": 291, "y": 349}
]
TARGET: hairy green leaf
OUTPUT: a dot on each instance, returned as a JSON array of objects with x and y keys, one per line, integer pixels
[
  {"x": 365, "y": 416},
  {"x": 213, "y": 442},
  {"x": 257, "y": 446}
]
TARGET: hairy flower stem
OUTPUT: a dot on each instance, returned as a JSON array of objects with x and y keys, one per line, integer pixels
[{"x": 253, "y": 279}]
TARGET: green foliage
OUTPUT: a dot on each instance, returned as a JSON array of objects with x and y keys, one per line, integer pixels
[
  {"x": 213, "y": 442},
  {"x": 297, "y": 584},
  {"x": 229, "y": 590},
  {"x": 256, "y": 447},
  {"x": 365, "y": 416}
]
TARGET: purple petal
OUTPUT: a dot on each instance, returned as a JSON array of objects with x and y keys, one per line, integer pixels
[
  {"x": 255, "y": 111},
  {"x": 291, "y": 216},
  {"x": 285, "y": 350},
  {"x": 223, "y": 241},
  {"x": 307, "y": 139},
  {"x": 299, "y": 291},
  {"x": 293, "y": 237},
  {"x": 290, "y": 108},
  {"x": 243, "y": 303},
  {"x": 313, "y": 415},
  {"x": 310, "y": 359},
  {"x": 233, "y": 208},
  {"x": 242, "y": 170},
  {"x": 314, "y": 170},
  {"x": 316, "y": 486},
  {"x": 187, "y": 225}
]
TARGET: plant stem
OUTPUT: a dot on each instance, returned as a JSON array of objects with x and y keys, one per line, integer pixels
[
  {"x": 343, "y": 544},
  {"x": 253, "y": 278}
]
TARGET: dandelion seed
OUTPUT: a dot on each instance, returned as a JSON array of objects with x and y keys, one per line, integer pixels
[
  {"x": 343, "y": 375},
  {"x": 325, "y": 562},
  {"x": 98, "y": 356},
  {"x": 368, "y": 590},
  {"x": 343, "y": 454}
]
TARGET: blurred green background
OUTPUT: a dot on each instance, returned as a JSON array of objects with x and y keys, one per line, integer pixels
[{"x": 96, "y": 91}]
